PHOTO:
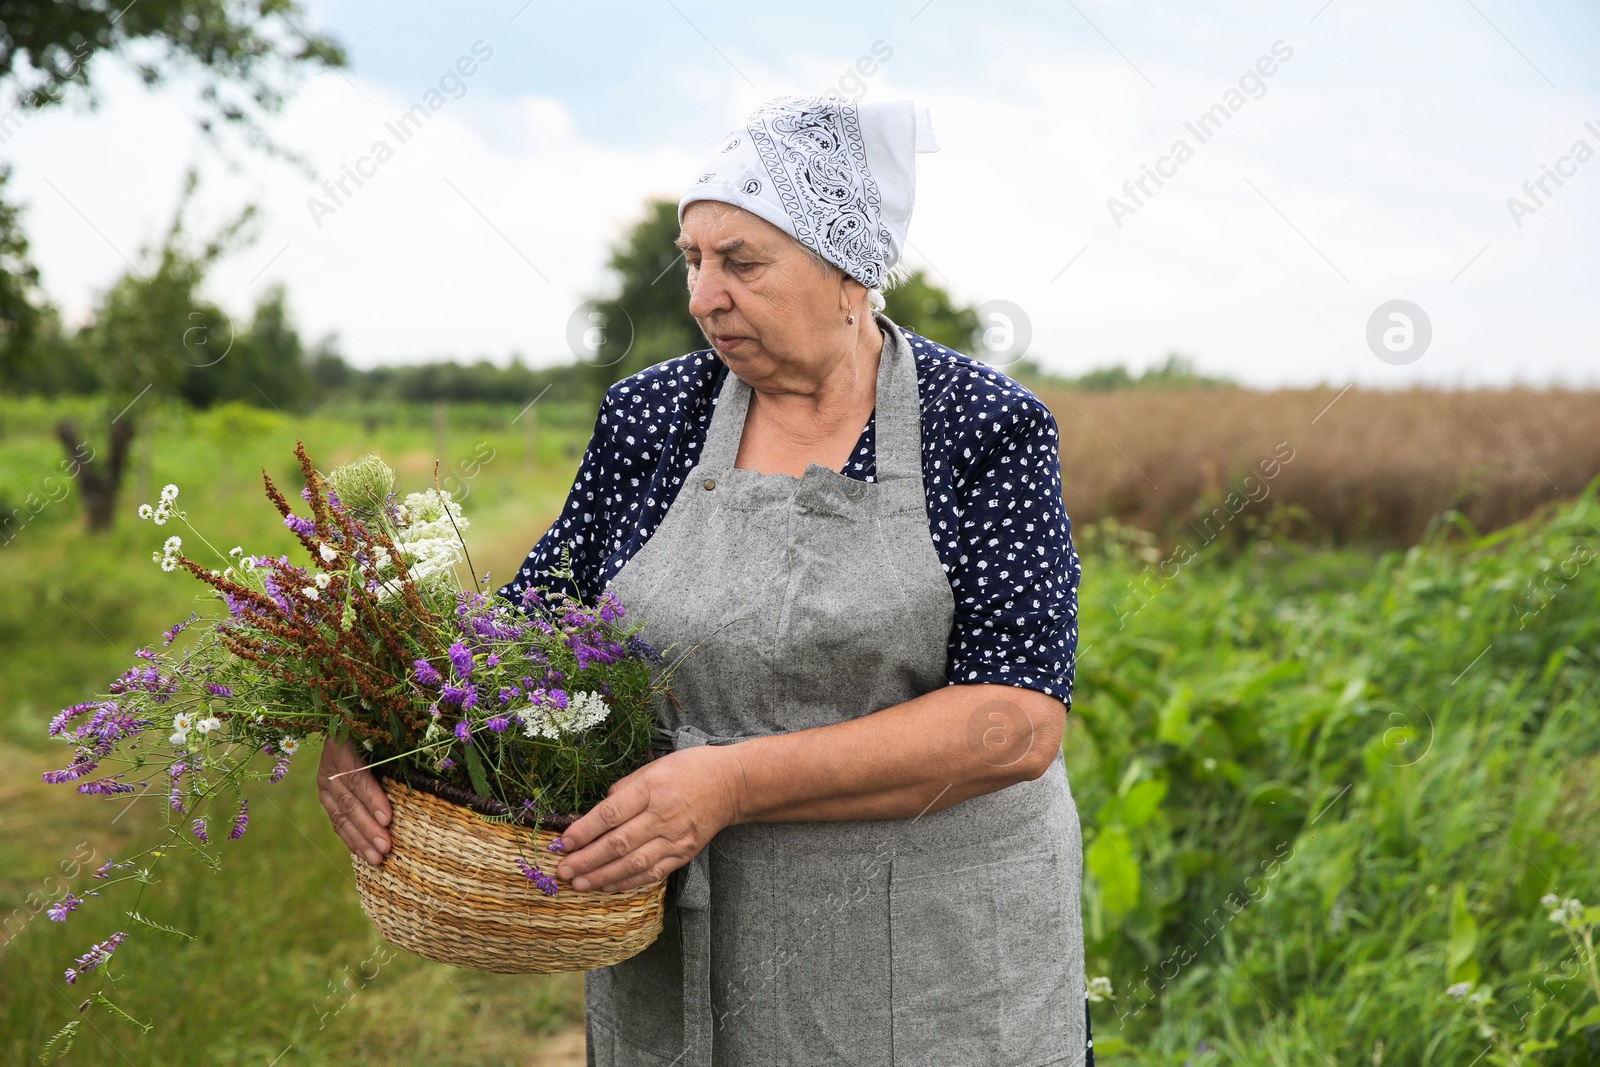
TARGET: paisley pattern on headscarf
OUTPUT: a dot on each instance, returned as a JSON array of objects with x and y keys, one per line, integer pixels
[
  {"x": 837, "y": 175},
  {"x": 817, "y": 160}
]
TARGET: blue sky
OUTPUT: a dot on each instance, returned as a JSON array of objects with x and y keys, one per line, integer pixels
[{"x": 1373, "y": 164}]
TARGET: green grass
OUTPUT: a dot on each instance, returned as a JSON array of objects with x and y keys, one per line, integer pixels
[{"x": 1316, "y": 787}]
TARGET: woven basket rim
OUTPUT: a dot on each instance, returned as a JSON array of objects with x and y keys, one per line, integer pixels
[{"x": 426, "y": 783}]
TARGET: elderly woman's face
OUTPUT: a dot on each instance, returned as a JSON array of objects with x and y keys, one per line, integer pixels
[{"x": 761, "y": 301}]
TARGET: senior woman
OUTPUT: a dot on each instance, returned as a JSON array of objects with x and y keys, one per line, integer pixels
[{"x": 856, "y": 538}]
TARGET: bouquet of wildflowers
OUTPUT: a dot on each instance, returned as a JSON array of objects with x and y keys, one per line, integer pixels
[{"x": 532, "y": 709}]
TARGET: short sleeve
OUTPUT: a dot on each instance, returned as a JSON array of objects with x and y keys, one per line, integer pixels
[
  {"x": 580, "y": 526},
  {"x": 1016, "y": 575}
]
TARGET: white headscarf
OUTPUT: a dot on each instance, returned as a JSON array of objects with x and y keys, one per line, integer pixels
[{"x": 836, "y": 175}]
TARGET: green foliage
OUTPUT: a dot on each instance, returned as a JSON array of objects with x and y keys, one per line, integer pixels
[
  {"x": 1311, "y": 806},
  {"x": 1176, "y": 372},
  {"x": 647, "y": 320},
  {"x": 1303, "y": 776},
  {"x": 923, "y": 308}
]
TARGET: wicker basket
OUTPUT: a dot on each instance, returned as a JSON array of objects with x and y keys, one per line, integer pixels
[{"x": 450, "y": 891}]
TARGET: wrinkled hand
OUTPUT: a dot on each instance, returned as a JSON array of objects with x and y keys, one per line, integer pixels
[
  {"x": 653, "y": 821},
  {"x": 354, "y": 802}
]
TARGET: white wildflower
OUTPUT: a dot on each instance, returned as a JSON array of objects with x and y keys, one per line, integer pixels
[
  {"x": 322, "y": 580},
  {"x": 310, "y": 592},
  {"x": 145, "y": 511},
  {"x": 236, "y": 551},
  {"x": 160, "y": 515},
  {"x": 179, "y": 737},
  {"x": 289, "y": 744},
  {"x": 208, "y": 724},
  {"x": 1459, "y": 990},
  {"x": 583, "y": 710},
  {"x": 1099, "y": 989},
  {"x": 169, "y": 493},
  {"x": 327, "y": 552},
  {"x": 182, "y": 721}
]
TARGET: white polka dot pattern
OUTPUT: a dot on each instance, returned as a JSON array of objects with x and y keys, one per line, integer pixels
[{"x": 990, "y": 467}]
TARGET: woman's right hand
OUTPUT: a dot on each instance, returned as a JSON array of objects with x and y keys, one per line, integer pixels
[{"x": 355, "y": 802}]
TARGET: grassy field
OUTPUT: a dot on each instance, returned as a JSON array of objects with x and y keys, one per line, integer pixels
[{"x": 1318, "y": 785}]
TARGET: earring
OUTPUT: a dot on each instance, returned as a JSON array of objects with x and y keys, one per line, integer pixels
[{"x": 850, "y": 320}]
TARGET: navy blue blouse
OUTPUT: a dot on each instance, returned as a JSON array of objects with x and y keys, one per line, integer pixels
[{"x": 990, "y": 466}]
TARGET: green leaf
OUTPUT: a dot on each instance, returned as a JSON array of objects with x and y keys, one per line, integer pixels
[
  {"x": 136, "y": 917},
  {"x": 1173, "y": 725},
  {"x": 67, "y": 1034},
  {"x": 1118, "y": 877},
  {"x": 1142, "y": 801},
  {"x": 1462, "y": 942},
  {"x": 476, "y": 771}
]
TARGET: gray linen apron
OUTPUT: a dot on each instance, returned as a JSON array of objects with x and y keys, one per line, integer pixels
[{"x": 947, "y": 940}]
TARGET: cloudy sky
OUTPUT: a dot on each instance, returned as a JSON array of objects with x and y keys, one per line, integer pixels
[{"x": 1376, "y": 162}]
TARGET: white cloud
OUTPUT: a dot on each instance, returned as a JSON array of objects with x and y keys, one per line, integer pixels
[{"x": 1391, "y": 161}]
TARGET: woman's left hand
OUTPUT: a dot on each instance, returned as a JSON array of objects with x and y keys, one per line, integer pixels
[{"x": 653, "y": 821}]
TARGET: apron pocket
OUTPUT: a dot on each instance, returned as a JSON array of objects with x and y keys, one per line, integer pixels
[{"x": 980, "y": 955}]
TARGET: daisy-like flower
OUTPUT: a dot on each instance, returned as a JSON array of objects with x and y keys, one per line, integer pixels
[
  {"x": 322, "y": 579},
  {"x": 146, "y": 511},
  {"x": 208, "y": 724},
  {"x": 327, "y": 552},
  {"x": 310, "y": 592},
  {"x": 169, "y": 493},
  {"x": 289, "y": 744},
  {"x": 235, "y": 552}
]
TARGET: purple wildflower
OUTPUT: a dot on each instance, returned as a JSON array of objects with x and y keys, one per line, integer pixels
[
  {"x": 240, "y": 821},
  {"x": 198, "y": 827},
  {"x": 177, "y": 628},
  {"x": 610, "y": 607},
  {"x": 446, "y": 763},
  {"x": 426, "y": 673},
  {"x": 146, "y": 653},
  {"x": 304, "y": 527},
  {"x": 491, "y": 660},
  {"x": 106, "y": 786},
  {"x": 279, "y": 769},
  {"x": 97, "y": 955},
  {"x": 556, "y": 845},
  {"x": 545, "y": 884},
  {"x": 498, "y": 723},
  {"x": 58, "y": 910},
  {"x": 217, "y": 690},
  {"x": 461, "y": 660},
  {"x": 508, "y": 693},
  {"x": 59, "y": 723},
  {"x": 464, "y": 732},
  {"x": 459, "y": 696},
  {"x": 81, "y": 765},
  {"x": 175, "y": 790},
  {"x": 636, "y": 646}
]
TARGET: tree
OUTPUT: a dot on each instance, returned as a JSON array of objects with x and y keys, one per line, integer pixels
[
  {"x": 923, "y": 308},
  {"x": 147, "y": 329},
  {"x": 648, "y": 319},
  {"x": 264, "y": 366},
  {"x": 242, "y": 50}
]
